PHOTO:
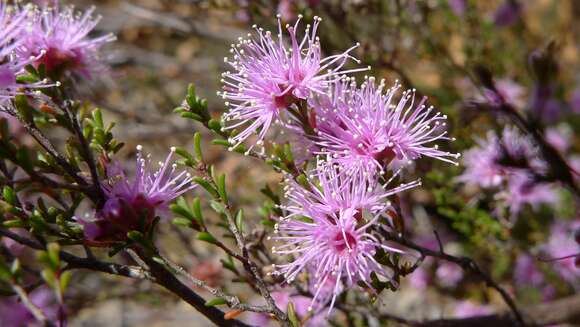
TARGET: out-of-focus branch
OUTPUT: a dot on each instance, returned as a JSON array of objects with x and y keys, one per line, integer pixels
[
  {"x": 466, "y": 264},
  {"x": 566, "y": 310},
  {"x": 156, "y": 273}
]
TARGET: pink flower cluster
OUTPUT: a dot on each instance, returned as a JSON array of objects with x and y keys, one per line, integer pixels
[
  {"x": 353, "y": 135},
  {"x": 133, "y": 205},
  {"x": 61, "y": 35},
  {"x": 57, "y": 38},
  {"x": 511, "y": 162}
]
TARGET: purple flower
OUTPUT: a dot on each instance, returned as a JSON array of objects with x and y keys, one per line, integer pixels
[
  {"x": 480, "y": 163},
  {"x": 493, "y": 159},
  {"x": 524, "y": 190},
  {"x": 15, "y": 314},
  {"x": 508, "y": 13},
  {"x": 559, "y": 137},
  {"x": 511, "y": 92},
  {"x": 269, "y": 77},
  {"x": 458, "y": 6},
  {"x": 420, "y": 278},
  {"x": 575, "y": 101},
  {"x": 131, "y": 201},
  {"x": 562, "y": 244},
  {"x": 12, "y": 23},
  {"x": 327, "y": 231},
  {"x": 449, "y": 274},
  {"x": 63, "y": 36},
  {"x": 526, "y": 272},
  {"x": 363, "y": 129}
]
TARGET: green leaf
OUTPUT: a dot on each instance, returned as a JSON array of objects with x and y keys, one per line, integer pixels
[
  {"x": 12, "y": 224},
  {"x": 136, "y": 236},
  {"x": 182, "y": 222},
  {"x": 196, "y": 208},
  {"x": 197, "y": 146},
  {"x": 206, "y": 237},
  {"x": 185, "y": 154},
  {"x": 220, "y": 142},
  {"x": 207, "y": 186},
  {"x": 53, "y": 251},
  {"x": 221, "y": 184},
  {"x": 288, "y": 152},
  {"x": 49, "y": 277},
  {"x": 215, "y": 125},
  {"x": 65, "y": 280},
  {"x": 15, "y": 268},
  {"x": 268, "y": 223},
  {"x": 240, "y": 220},
  {"x": 214, "y": 302},
  {"x": 5, "y": 273},
  {"x": 182, "y": 210},
  {"x": 98, "y": 118},
  {"x": 292, "y": 315},
  {"x": 217, "y": 206},
  {"x": 229, "y": 265},
  {"x": 9, "y": 195}
]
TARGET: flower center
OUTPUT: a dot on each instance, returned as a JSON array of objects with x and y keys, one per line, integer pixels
[
  {"x": 344, "y": 241},
  {"x": 284, "y": 101},
  {"x": 386, "y": 155},
  {"x": 56, "y": 59}
]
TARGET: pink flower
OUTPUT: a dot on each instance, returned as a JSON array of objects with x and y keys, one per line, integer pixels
[
  {"x": 327, "y": 231},
  {"x": 524, "y": 190},
  {"x": 494, "y": 159},
  {"x": 269, "y": 77},
  {"x": 12, "y": 23},
  {"x": 63, "y": 36},
  {"x": 449, "y": 274},
  {"x": 559, "y": 137},
  {"x": 458, "y": 6},
  {"x": 526, "y": 272},
  {"x": 364, "y": 129},
  {"x": 129, "y": 202},
  {"x": 562, "y": 244},
  {"x": 15, "y": 314}
]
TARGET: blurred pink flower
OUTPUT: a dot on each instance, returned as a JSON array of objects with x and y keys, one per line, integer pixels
[
  {"x": 448, "y": 274},
  {"x": 562, "y": 244},
  {"x": 64, "y": 36},
  {"x": 523, "y": 189},
  {"x": 458, "y": 6},
  {"x": 526, "y": 272},
  {"x": 14, "y": 314},
  {"x": 559, "y": 137},
  {"x": 508, "y": 13}
]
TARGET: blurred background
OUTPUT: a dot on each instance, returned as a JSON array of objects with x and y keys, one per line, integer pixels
[{"x": 448, "y": 50}]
